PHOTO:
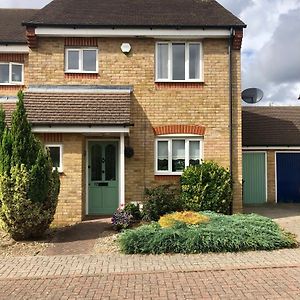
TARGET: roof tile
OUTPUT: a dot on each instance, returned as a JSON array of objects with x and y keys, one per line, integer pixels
[
  {"x": 136, "y": 13},
  {"x": 77, "y": 109},
  {"x": 271, "y": 126}
]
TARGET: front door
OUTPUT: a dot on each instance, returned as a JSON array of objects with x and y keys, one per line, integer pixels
[{"x": 102, "y": 178}]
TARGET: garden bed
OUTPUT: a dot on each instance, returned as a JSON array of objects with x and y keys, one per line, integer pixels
[
  {"x": 10, "y": 248},
  {"x": 221, "y": 234}
]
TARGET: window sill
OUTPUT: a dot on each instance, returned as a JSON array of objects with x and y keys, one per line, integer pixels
[
  {"x": 179, "y": 81},
  {"x": 81, "y": 72},
  {"x": 168, "y": 173},
  {"x": 59, "y": 170}
]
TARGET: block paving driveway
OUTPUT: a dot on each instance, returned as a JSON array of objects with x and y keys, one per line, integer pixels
[{"x": 249, "y": 275}]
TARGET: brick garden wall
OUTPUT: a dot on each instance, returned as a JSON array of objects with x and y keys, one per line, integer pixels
[{"x": 152, "y": 105}]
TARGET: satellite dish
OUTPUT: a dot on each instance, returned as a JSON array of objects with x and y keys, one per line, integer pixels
[{"x": 252, "y": 95}]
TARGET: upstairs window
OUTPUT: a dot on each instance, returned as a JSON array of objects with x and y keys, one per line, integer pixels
[
  {"x": 11, "y": 73},
  {"x": 177, "y": 61},
  {"x": 173, "y": 155},
  {"x": 81, "y": 60}
]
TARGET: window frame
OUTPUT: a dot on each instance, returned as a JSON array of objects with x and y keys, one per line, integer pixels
[
  {"x": 80, "y": 70},
  {"x": 187, "y": 62},
  {"x": 10, "y": 81},
  {"x": 60, "y": 146},
  {"x": 170, "y": 139}
]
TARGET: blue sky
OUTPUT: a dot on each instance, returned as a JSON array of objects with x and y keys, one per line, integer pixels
[{"x": 271, "y": 45}]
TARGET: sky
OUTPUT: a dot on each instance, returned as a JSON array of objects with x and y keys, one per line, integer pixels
[{"x": 271, "y": 45}]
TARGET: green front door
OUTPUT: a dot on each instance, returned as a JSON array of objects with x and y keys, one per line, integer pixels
[
  {"x": 254, "y": 176},
  {"x": 103, "y": 178}
]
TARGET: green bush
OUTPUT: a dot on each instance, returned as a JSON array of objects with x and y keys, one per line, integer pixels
[
  {"x": 29, "y": 187},
  {"x": 21, "y": 217},
  {"x": 133, "y": 210},
  {"x": 159, "y": 201},
  {"x": 221, "y": 234},
  {"x": 206, "y": 187}
]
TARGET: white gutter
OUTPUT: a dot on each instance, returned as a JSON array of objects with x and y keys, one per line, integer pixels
[
  {"x": 87, "y": 89},
  {"x": 80, "y": 129},
  {"x": 121, "y": 32},
  {"x": 271, "y": 148},
  {"x": 14, "y": 49}
]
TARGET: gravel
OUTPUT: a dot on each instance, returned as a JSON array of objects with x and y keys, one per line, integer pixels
[{"x": 107, "y": 242}]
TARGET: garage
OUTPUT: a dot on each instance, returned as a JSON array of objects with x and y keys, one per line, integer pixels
[
  {"x": 288, "y": 177},
  {"x": 254, "y": 178}
]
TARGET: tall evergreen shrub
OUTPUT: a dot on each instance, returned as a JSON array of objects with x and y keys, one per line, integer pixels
[
  {"x": 206, "y": 187},
  {"x": 29, "y": 187}
]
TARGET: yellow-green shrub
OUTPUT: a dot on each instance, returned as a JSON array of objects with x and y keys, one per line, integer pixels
[{"x": 187, "y": 217}]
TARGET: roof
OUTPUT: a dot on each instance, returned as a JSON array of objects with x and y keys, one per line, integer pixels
[
  {"x": 9, "y": 105},
  {"x": 85, "y": 107},
  {"x": 11, "y": 29},
  {"x": 271, "y": 126},
  {"x": 135, "y": 13}
]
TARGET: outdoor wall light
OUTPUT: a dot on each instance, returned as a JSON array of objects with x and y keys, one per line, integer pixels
[{"x": 126, "y": 48}]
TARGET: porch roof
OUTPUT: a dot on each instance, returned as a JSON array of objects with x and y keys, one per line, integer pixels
[{"x": 78, "y": 106}]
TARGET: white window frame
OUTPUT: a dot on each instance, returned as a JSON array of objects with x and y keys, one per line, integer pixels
[
  {"x": 187, "y": 62},
  {"x": 11, "y": 82},
  {"x": 80, "y": 70},
  {"x": 170, "y": 139},
  {"x": 60, "y": 146}
]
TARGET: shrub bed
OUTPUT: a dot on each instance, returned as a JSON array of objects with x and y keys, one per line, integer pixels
[{"x": 221, "y": 234}]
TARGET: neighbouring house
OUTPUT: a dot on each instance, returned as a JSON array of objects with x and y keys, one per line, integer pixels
[
  {"x": 271, "y": 154},
  {"x": 14, "y": 53},
  {"x": 126, "y": 94}
]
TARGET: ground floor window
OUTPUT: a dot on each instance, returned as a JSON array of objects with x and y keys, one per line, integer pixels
[
  {"x": 56, "y": 152},
  {"x": 173, "y": 155}
]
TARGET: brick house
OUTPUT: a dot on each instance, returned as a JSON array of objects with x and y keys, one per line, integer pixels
[{"x": 126, "y": 94}]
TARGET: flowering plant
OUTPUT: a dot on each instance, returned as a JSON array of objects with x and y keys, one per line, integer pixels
[{"x": 121, "y": 219}]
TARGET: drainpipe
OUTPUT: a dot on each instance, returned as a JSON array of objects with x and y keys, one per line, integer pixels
[{"x": 230, "y": 104}]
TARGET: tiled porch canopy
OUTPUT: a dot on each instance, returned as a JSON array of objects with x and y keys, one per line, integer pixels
[{"x": 78, "y": 105}]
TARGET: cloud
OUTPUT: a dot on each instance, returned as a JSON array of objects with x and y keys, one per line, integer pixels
[
  {"x": 23, "y": 3},
  {"x": 237, "y": 6},
  {"x": 271, "y": 47}
]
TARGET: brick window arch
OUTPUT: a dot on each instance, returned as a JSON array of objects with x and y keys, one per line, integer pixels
[{"x": 179, "y": 129}]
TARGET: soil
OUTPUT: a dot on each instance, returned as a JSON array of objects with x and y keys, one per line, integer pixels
[{"x": 9, "y": 247}]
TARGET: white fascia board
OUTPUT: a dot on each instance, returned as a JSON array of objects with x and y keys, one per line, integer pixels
[
  {"x": 14, "y": 49},
  {"x": 80, "y": 91},
  {"x": 80, "y": 129},
  {"x": 121, "y": 32},
  {"x": 271, "y": 148}
]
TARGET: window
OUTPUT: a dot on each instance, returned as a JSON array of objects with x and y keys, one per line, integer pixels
[
  {"x": 11, "y": 73},
  {"x": 56, "y": 153},
  {"x": 173, "y": 155},
  {"x": 178, "y": 61},
  {"x": 82, "y": 60}
]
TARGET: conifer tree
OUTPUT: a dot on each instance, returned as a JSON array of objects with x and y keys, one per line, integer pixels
[
  {"x": 24, "y": 144},
  {"x": 2, "y": 122},
  {"x": 29, "y": 187}
]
